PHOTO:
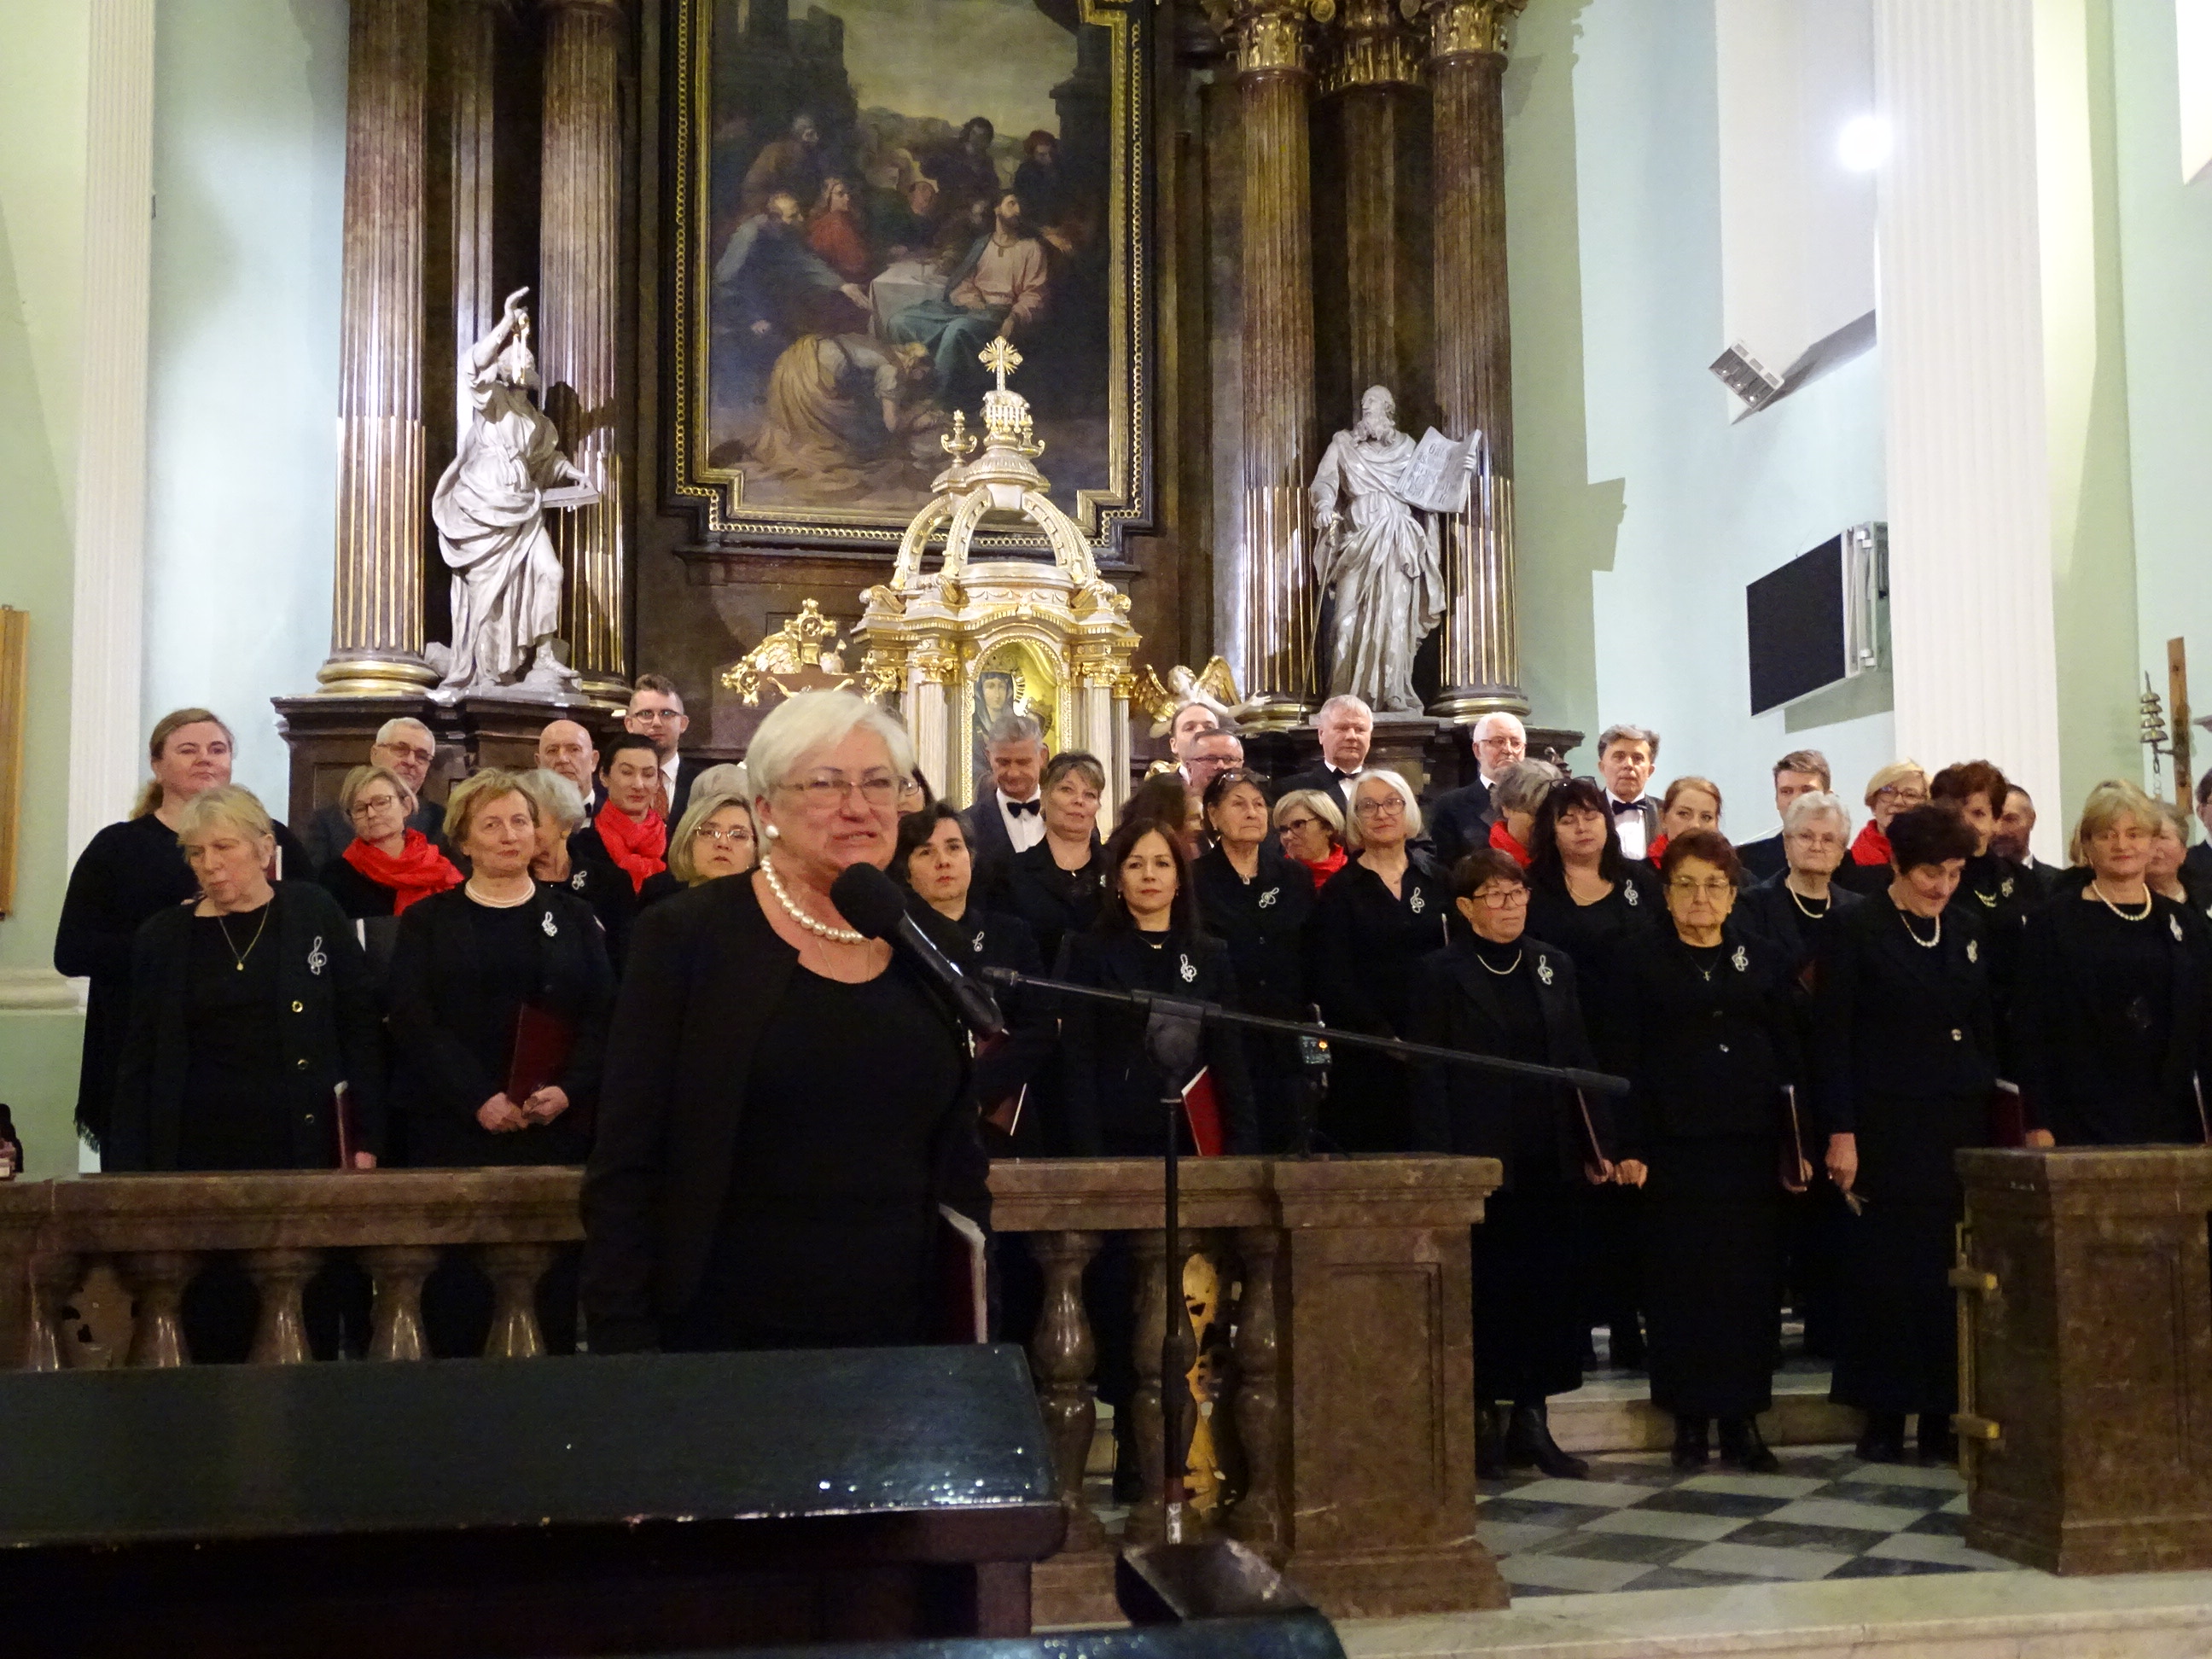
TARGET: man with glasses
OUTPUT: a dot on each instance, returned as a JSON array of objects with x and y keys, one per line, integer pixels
[
  {"x": 656, "y": 713},
  {"x": 1459, "y": 819},
  {"x": 406, "y": 748},
  {"x": 1211, "y": 753},
  {"x": 1800, "y": 772}
]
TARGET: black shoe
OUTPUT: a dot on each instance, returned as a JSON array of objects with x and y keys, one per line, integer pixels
[
  {"x": 1489, "y": 1442},
  {"x": 1882, "y": 1441},
  {"x": 1528, "y": 1440},
  {"x": 1741, "y": 1447},
  {"x": 1690, "y": 1445},
  {"x": 1937, "y": 1443},
  {"x": 1624, "y": 1344}
]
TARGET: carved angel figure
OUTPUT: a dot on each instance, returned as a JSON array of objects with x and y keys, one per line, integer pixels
[{"x": 1212, "y": 685}]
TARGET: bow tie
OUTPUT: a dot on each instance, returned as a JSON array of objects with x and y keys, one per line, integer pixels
[
  {"x": 1019, "y": 807},
  {"x": 1620, "y": 806}
]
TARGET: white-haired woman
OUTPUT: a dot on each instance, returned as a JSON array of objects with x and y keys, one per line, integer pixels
[
  {"x": 714, "y": 838},
  {"x": 1386, "y": 909},
  {"x": 1794, "y": 910},
  {"x": 785, "y": 1102},
  {"x": 128, "y": 872}
]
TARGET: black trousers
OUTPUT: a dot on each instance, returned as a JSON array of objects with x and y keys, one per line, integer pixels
[
  {"x": 1712, "y": 1220},
  {"x": 1528, "y": 1327}
]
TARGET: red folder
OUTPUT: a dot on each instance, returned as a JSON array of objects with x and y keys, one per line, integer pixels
[
  {"x": 2007, "y": 1124},
  {"x": 347, "y": 1127},
  {"x": 542, "y": 1042},
  {"x": 1201, "y": 1109}
]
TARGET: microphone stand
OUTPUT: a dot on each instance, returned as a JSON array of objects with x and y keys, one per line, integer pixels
[{"x": 1174, "y": 1336}]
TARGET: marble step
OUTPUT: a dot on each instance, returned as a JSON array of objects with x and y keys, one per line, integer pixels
[{"x": 1614, "y": 1413}]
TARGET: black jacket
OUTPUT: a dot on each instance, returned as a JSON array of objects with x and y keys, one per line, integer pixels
[
  {"x": 330, "y": 1035},
  {"x": 990, "y": 939},
  {"x": 1363, "y": 944},
  {"x": 706, "y": 971},
  {"x": 988, "y": 842},
  {"x": 1771, "y": 911},
  {"x": 436, "y": 993},
  {"x": 1053, "y": 902},
  {"x": 1321, "y": 776},
  {"x": 596, "y": 878},
  {"x": 1109, "y": 1084},
  {"x": 1457, "y": 1108},
  {"x": 1263, "y": 922},
  {"x": 1458, "y": 822},
  {"x": 1763, "y": 860}
]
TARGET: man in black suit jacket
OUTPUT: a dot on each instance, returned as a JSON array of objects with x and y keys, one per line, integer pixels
[
  {"x": 2017, "y": 823},
  {"x": 1800, "y": 772},
  {"x": 403, "y": 746},
  {"x": 1011, "y": 819},
  {"x": 565, "y": 747},
  {"x": 1458, "y": 821},
  {"x": 656, "y": 712},
  {"x": 1626, "y": 756},
  {"x": 1346, "y": 726}
]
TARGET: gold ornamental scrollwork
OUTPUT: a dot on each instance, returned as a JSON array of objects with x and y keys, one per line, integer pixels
[
  {"x": 1269, "y": 36},
  {"x": 1460, "y": 27}
]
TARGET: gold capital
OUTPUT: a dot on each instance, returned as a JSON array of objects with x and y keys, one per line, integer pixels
[
  {"x": 1270, "y": 35},
  {"x": 1376, "y": 49},
  {"x": 1458, "y": 27}
]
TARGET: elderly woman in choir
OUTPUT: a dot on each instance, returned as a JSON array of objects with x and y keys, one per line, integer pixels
[
  {"x": 1385, "y": 910},
  {"x": 2109, "y": 1023},
  {"x": 1704, "y": 1033},
  {"x": 1797, "y": 909},
  {"x": 1311, "y": 828},
  {"x": 1689, "y": 804},
  {"x": 1500, "y": 991},
  {"x": 714, "y": 838},
  {"x": 1905, "y": 1035},
  {"x": 2168, "y": 869},
  {"x": 1055, "y": 886},
  {"x": 387, "y": 866},
  {"x": 787, "y": 1102},
  {"x": 1897, "y": 787},
  {"x": 1516, "y": 794}
]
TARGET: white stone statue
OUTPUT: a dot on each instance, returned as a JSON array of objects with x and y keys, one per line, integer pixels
[
  {"x": 1377, "y": 554},
  {"x": 490, "y": 515}
]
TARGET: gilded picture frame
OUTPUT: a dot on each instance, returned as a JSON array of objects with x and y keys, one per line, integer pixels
[{"x": 821, "y": 346}]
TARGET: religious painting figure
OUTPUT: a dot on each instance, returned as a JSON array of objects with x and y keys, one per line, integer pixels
[
  {"x": 844, "y": 412},
  {"x": 789, "y": 165},
  {"x": 1380, "y": 559},
  {"x": 997, "y": 291},
  {"x": 491, "y": 519}
]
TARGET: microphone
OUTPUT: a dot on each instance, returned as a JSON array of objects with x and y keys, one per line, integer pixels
[{"x": 876, "y": 906}]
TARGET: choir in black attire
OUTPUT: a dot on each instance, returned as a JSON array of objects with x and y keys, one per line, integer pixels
[
  {"x": 1050, "y": 901},
  {"x": 1361, "y": 953}
]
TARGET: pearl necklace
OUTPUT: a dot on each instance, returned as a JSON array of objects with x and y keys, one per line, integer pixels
[
  {"x": 1906, "y": 916},
  {"x": 1826, "y": 904},
  {"x": 2149, "y": 903},
  {"x": 819, "y": 929},
  {"x": 478, "y": 895}
]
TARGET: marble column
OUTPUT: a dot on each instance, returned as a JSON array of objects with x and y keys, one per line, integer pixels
[
  {"x": 1275, "y": 578},
  {"x": 1480, "y": 666},
  {"x": 473, "y": 44},
  {"x": 1372, "y": 79},
  {"x": 383, "y": 505},
  {"x": 1960, "y": 253},
  {"x": 579, "y": 314}
]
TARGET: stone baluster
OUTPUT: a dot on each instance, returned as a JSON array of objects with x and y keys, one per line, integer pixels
[
  {"x": 1149, "y": 1250},
  {"x": 1063, "y": 1354},
  {"x": 1479, "y": 668},
  {"x": 396, "y": 1321},
  {"x": 514, "y": 1271},
  {"x": 157, "y": 1280},
  {"x": 280, "y": 1330},
  {"x": 53, "y": 1280},
  {"x": 1256, "y": 1410}
]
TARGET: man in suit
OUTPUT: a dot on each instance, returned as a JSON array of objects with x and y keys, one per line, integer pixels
[
  {"x": 406, "y": 747},
  {"x": 656, "y": 713},
  {"x": 1190, "y": 722},
  {"x": 1011, "y": 819},
  {"x": 1458, "y": 821},
  {"x": 565, "y": 748},
  {"x": 1626, "y": 756},
  {"x": 1210, "y": 753},
  {"x": 1346, "y": 726},
  {"x": 1800, "y": 772},
  {"x": 2017, "y": 823}
]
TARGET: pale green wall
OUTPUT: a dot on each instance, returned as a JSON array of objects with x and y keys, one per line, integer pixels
[
  {"x": 42, "y": 92},
  {"x": 1642, "y": 509}
]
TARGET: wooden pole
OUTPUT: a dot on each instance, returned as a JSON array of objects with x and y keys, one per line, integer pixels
[{"x": 2177, "y": 700}]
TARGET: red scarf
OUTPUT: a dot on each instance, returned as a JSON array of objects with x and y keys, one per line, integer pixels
[
  {"x": 1326, "y": 868},
  {"x": 419, "y": 870},
  {"x": 638, "y": 849},
  {"x": 1502, "y": 839},
  {"x": 1872, "y": 847},
  {"x": 1657, "y": 850}
]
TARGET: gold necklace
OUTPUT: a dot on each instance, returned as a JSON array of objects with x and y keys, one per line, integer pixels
[{"x": 238, "y": 958}]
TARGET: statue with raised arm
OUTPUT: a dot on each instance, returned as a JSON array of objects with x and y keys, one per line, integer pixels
[
  {"x": 1378, "y": 556},
  {"x": 489, "y": 511}
]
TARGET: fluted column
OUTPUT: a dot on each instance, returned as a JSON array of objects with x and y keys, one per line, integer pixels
[
  {"x": 473, "y": 44},
  {"x": 376, "y": 607},
  {"x": 1480, "y": 665},
  {"x": 1275, "y": 576},
  {"x": 1372, "y": 79},
  {"x": 579, "y": 249}
]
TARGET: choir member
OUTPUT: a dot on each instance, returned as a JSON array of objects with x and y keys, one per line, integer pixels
[
  {"x": 1386, "y": 909},
  {"x": 627, "y": 842},
  {"x": 715, "y": 839},
  {"x": 560, "y": 813},
  {"x": 1311, "y": 831},
  {"x": 1345, "y": 726},
  {"x": 1800, "y": 772},
  {"x": 404, "y": 747},
  {"x": 1704, "y": 1033},
  {"x": 387, "y": 865},
  {"x": 1625, "y": 757},
  {"x": 2016, "y": 825},
  {"x": 1118, "y": 1064},
  {"x": 1258, "y": 902},
  {"x": 2108, "y": 1016},
  {"x": 1501, "y": 991},
  {"x": 1897, "y": 787},
  {"x": 1689, "y": 804},
  {"x": 2199, "y": 857},
  {"x": 1459, "y": 819},
  {"x": 2000, "y": 893},
  {"x": 1904, "y": 1041},
  {"x": 785, "y": 1101},
  {"x": 126, "y": 874},
  {"x": 2169, "y": 869},
  {"x": 1794, "y": 910},
  {"x": 1515, "y": 795},
  {"x": 1055, "y": 886}
]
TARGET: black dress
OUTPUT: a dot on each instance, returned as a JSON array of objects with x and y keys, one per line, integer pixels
[
  {"x": 1019, "y": 1061},
  {"x": 596, "y": 878},
  {"x": 1517, "y": 1001},
  {"x": 233, "y": 1115},
  {"x": 1263, "y": 921},
  {"x": 2109, "y": 1026},
  {"x": 126, "y": 874},
  {"x": 1906, "y": 1057},
  {"x": 357, "y": 895},
  {"x": 1052, "y": 901},
  {"x": 1706, "y": 1039},
  {"x": 1361, "y": 951}
]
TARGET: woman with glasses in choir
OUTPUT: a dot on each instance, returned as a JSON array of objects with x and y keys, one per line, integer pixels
[
  {"x": 714, "y": 839},
  {"x": 1517, "y": 795},
  {"x": 1897, "y": 787},
  {"x": 1794, "y": 910},
  {"x": 2167, "y": 867},
  {"x": 1311, "y": 828},
  {"x": 387, "y": 866}
]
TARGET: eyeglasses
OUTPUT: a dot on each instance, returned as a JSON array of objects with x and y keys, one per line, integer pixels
[
  {"x": 1296, "y": 826},
  {"x": 1903, "y": 795},
  {"x": 1392, "y": 808},
  {"x": 737, "y": 836},
  {"x": 653, "y": 716},
  {"x": 409, "y": 752},
  {"x": 1717, "y": 888},
  {"x": 367, "y": 804},
  {"x": 1502, "y": 898},
  {"x": 827, "y": 790}
]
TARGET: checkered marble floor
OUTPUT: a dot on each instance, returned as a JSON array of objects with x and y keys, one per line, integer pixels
[{"x": 1639, "y": 1523}]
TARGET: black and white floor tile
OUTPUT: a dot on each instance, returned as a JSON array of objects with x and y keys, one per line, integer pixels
[{"x": 1639, "y": 1523}]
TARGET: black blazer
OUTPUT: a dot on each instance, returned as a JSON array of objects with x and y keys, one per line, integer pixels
[
  {"x": 988, "y": 842},
  {"x": 1765, "y": 858},
  {"x": 1108, "y": 1082},
  {"x": 596, "y": 878},
  {"x": 1363, "y": 944},
  {"x": 1706, "y": 1057},
  {"x": 1320, "y": 775},
  {"x": 990, "y": 939},
  {"x": 1459, "y": 1109},
  {"x": 1458, "y": 822},
  {"x": 1769, "y": 910},
  {"x": 330, "y": 1037},
  {"x": 434, "y": 991},
  {"x": 706, "y": 971},
  {"x": 1053, "y": 902},
  {"x": 1263, "y": 922}
]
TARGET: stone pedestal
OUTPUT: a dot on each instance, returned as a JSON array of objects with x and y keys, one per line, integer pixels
[{"x": 2086, "y": 1358}]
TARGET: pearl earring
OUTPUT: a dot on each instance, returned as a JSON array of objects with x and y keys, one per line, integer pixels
[{"x": 772, "y": 832}]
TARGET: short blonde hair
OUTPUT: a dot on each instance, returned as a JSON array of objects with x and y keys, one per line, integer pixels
[
  {"x": 472, "y": 794},
  {"x": 2109, "y": 802},
  {"x": 702, "y": 808},
  {"x": 1893, "y": 774},
  {"x": 226, "y": 803},
  {"x": 1319, "y": 803},
  {"x": 814, "y": 720},
  {"x": 556, "y": 797},
  {"x": 361, "y": 776},
  {"x": 1352, "y": 838}
]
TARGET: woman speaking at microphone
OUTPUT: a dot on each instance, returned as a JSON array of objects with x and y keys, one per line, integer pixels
[{"x": 785, "y": 1102}]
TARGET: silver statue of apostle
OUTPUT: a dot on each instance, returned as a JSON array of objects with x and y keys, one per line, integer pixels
[
  {"x": 1378, "y": 555},
  {"x": 490, "y": 515}
]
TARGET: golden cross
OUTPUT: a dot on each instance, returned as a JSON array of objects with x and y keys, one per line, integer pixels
[{"x": 1002, "y": 359}]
